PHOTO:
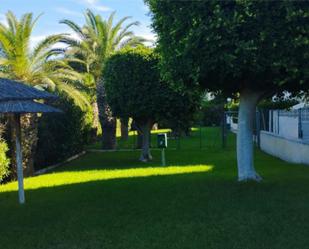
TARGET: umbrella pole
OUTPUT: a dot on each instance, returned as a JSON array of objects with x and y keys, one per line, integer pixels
[{"x": 19, "y": 159}]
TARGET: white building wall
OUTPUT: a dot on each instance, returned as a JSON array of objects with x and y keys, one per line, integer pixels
[
  {"x": 229, "y": 120},
  {"x": 284, "y": 125},
  {"x": 288, "y": 127},
  {"x": 290, "y": 150}
]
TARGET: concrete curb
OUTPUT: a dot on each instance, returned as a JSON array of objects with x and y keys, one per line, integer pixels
[
  {"x": 122, "y": 150},
  {"x": 45, "y": 170}
]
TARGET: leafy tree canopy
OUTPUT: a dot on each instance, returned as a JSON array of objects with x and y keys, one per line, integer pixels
[
  {"x": 97, "y": 40},
  {"x": 254, "y": 48},
  {"x": 133, "y": 84},
  {"x": 234, "y": 45},
  {"x": 41, "y": 66}
]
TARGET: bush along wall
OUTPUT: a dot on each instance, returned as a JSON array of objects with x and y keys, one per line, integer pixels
[
  {"x": 4, "y": 160},
  {"x": 63, "y": 135},
  {"x": 211, "y": 113}
]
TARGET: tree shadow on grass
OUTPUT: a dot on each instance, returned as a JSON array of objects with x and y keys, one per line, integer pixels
[
  {"x": 197, "y": 210},
  {"x": 126, "y": 160},
  {"x": 207, "y": 209}
]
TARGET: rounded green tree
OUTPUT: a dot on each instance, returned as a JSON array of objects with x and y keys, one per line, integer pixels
[
  {"x": 134, "y": 89},
  {"x": 252, "y": 48}
]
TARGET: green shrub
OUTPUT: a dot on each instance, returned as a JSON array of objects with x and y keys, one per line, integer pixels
[
  {"x": 212, "y": 112},
  {"x": 63, "y": 135},
  {"x": 181, "y": 110},
  {"x": 4, "y": 161},
  {"x": 277, "y": 103}
]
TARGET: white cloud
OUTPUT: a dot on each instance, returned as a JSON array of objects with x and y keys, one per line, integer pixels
[
  {"x": 2, "y": 19},
  {"x": 95, "y": 4},
  {"x": 145, "y": 8},
  {"x": 68, "y": 12},
  {"x": 90, "y": 1},
  {"x": 35, "y": 39},
  {"x": 146, "y": 32},
  {"x": 102, "y": 8},
  {"x": 149, "y": 36}
]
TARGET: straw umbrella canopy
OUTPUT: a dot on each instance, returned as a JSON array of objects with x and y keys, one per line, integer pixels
[{"x": 16, "y": 99}]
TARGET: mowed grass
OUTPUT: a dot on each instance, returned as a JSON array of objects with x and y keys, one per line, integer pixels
[{"x": 110, "y": 200}]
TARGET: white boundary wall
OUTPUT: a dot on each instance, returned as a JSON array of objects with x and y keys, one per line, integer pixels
[
  {"x": 288, "y": 127},
  {"x": 285, "y": 124},
  {"x": 290, "y": 150},
  {"x": 229, "y": 120}
]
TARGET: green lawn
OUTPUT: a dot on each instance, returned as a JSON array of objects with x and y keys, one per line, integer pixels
[{"x": 111, "y": 201}]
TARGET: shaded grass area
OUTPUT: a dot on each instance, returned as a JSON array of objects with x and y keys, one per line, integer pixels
[{"x": 188, "y": 209}]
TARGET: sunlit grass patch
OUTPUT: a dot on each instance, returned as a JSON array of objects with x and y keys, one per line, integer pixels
[
  {"x": 73, "y": 177},
  {"x": 196, "y": 202}
]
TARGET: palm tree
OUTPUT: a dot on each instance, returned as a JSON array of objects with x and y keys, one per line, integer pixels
[
  {"x": 97, "y": 40},
  {"x": 41, "y": 67}
]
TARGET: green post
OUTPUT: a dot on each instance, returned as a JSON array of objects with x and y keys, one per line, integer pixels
[
  {"x": 178, "y": 137},
  {"x": 258, "y": 128},
  {"x": 163, "y": 157},
  {"x": 224, "y": 130},
  {"x": 134, "y": 140},
  {"x": 200, "y": 136},
  {"x": 162, "y": 143}
]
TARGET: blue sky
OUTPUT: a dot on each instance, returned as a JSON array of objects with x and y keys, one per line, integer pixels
[{"x": 55, "y": 10}]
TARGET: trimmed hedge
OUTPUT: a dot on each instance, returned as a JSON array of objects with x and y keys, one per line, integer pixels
[
  {"x": 63, "y": 135},
  {"x": 4, "y": 160}
]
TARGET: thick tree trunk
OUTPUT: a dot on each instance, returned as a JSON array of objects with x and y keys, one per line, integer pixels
[
  {"x": 139, "y": 141},
  {"x": 246, "y": 114},
  {"x": 95, "y": 123},
  {"x": 124, "y": 128},
  {"x": 145, "y": 155},
  {"x": 19, "y": 158},
  {"x": 107, "y": 121},
  {"x": 29, "y": 124},
  {"x": 29, "y": 133}
]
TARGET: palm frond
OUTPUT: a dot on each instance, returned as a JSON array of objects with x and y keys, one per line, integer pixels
[
  {"x": 115, "y": 30},
  {"x": 132, "y": 42},
  {"x": 75, "y": 27},
  {"x": 78, "y": 98},
  {"x": 46, "y": 44},
  {"x": 91, "y": 20},
  {"x": 12, "y": 21}
]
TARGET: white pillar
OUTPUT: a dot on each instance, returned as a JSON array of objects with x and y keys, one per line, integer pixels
[{"x": 19, "y": 159}]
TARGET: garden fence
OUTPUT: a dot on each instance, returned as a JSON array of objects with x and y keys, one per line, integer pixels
[{"x": 292, "y": 124}]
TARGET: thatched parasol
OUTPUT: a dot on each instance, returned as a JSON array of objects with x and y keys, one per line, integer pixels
[{"x": 17, "y": 98}]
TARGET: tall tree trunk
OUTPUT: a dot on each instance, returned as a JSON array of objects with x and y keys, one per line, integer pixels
[
  {"x": 139, "y": 141},
  {"x": 29, "y": 125},
  {"x": 95, "y": 123},
  {"x": 145, "y": 130},
  {"x": 124, "y": 128},
  {"x": 246, "y": 114},
  {"x": 19, "y": 158},
  {"x": 29, "y": 134},
  {"x": 107, "y": 121}
]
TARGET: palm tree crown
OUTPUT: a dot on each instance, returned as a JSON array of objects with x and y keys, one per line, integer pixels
[
  {"x": 97, "y": 40},
  {"x": 41, "y": 66}
]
